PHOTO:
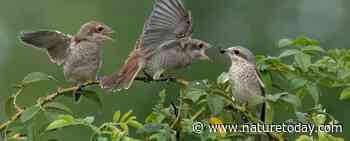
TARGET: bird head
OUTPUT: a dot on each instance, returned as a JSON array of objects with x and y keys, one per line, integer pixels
[
  {"x": 197, "y": 49},
  {"x": 95, "y": 31},
  {"x": 239, "y": 53}
]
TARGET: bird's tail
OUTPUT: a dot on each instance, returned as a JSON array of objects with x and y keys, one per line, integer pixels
[{"x": 124, "y": 78}]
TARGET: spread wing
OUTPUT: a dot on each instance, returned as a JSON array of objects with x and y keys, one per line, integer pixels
[
  {"x": 169, "y": 21},
  {"x": 55, "y": 42}
]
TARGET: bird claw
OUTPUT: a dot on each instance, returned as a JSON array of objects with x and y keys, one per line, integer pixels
[{"x": 167, "y": 79}]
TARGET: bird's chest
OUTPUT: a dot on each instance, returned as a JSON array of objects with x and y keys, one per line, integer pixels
[
  {"x": 242, "y": 72},
  {"x": 83, "y": 62},
  {"x": 171, "y": 59},
  {"x": 84, "y": 54}
]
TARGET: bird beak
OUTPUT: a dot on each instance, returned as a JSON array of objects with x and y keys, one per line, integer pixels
[
  {"x": 106, "y": 35},
  {"x": 223, "y": 51}
]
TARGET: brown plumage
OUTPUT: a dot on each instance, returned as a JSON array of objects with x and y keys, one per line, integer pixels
[
  {"x": 164, "y": 44},
  {"x": 80, "y": 54}
]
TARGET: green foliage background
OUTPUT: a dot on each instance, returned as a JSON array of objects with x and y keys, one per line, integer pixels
[{"x": 257, "y": 25}]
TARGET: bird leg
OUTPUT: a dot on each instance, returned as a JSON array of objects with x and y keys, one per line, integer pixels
[
  {"x": 164, "y": 78},
  {"x": 148, "y": 78},
  {"x": 78, "y": 92}
]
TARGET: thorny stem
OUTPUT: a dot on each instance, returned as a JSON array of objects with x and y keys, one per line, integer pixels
[{"x": 42, "y": 102}]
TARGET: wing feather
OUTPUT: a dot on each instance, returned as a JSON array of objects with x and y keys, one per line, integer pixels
[
  {"x": 55, "y": 42},
  {"x": 169, "y": 21}
]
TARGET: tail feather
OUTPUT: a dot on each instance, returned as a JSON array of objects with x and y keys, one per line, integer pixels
[{"x": 124, "y": 78}]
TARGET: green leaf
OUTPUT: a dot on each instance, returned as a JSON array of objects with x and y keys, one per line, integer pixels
[
  {"x": 216, "y": 104},
  {"x": 126, "y": 116},
  {"x": 304, "y": 138},
  {"x": 29, "y": 113},
  {"x": 284, "y": 43},
  {"x": 58, "y": 106},
  {"x": 93, "y": 96},
  {"x": 152, "y": 128},
  {"x": 328, "y": 137},
  {"x": 255, "y": 100},
  {"x": 36, "y": 77},
  {"x": 267, "y": 79},
  {"x": 275, "y": 97},
  {"x": 304, "y": 41},
  {"x": 10, "y": 107},
  {"x": 313, "y": 48},
  {"x": 223, "y": 78},
  {"x": 63, "y": 121},
  {"x": 313, "y": 90},
  {"x": 301, "y": 116},
  {"x": 116, "y": 116},
  {"x": 154, "y": 118},
  {"x": 345, "y": 94},
  {"x": 196, "y": 90},
  {"x": 303, "y": 61},
  {"x": 89, "y": 119},
  {"x": 135, "y": 124},
  {"x": 102, "y": 139},
  {"x": 125, "y": 127},
  {"x": 292, "y": 99},
  {"x": 289, "y": 52},
  {"x": 319, "y": 119},
  {"x": 297, "y": 83}
]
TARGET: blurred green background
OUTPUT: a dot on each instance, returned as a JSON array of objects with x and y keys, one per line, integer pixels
[{"x": 255, "y": 24}]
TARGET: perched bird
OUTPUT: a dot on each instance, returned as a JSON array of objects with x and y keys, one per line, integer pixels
[
  {"x": 80, "y": 54},
  {"x": 165, "y": 44},
  {"x": 247, "y": 85}
]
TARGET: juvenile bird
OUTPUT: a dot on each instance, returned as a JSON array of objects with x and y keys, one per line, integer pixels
[
  {"x": 246, "y": 82},
  {"x": 165, "y": 44},
  {"x": 80, "y": 54}
]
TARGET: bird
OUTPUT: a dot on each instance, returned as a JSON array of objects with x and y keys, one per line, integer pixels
[
  {"x": 80, "y": 55},
  {"x": 246, "y": 82},
  {"x": 165, "y": 44}
]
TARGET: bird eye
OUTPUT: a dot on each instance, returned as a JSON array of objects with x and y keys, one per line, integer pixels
[
  {"x": 99, "y": 28},
  {"x": 236, "y": 52},
  {"x": 201, "y": 45}
]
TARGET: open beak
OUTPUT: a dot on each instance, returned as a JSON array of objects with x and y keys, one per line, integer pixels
[{"x": 106, "y": 35}]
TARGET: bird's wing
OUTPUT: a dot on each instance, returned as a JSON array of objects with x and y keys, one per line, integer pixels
[
  {"x": 261, "y": 83},
  {"x": 262, "y": 108},
  {"x": 169, "y": 21},
  {"x": 55, "y": 42}
]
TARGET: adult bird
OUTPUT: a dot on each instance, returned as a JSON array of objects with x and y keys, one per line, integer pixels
[
  {"x": 245, "y": 80},
  {"x": 247, "y": 86},
  {"x": 80, "y": 55},
  {"x": 165, "y": 44}
]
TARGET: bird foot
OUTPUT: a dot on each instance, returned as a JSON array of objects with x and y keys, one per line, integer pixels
[
  {"x": 144, "y": 79},
  {"x": 78, "y": 92},
  {"x": 167, "y": 79}
]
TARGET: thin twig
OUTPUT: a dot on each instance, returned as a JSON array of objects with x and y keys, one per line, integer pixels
[
  {"x": 180, "y": 81},
  {"x": 45, "y": 100}
]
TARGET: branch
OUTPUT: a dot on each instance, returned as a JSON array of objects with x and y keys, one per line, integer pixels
[
  {"x": 180, "y": 81},
  {"x": 43, "y": 101}
]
